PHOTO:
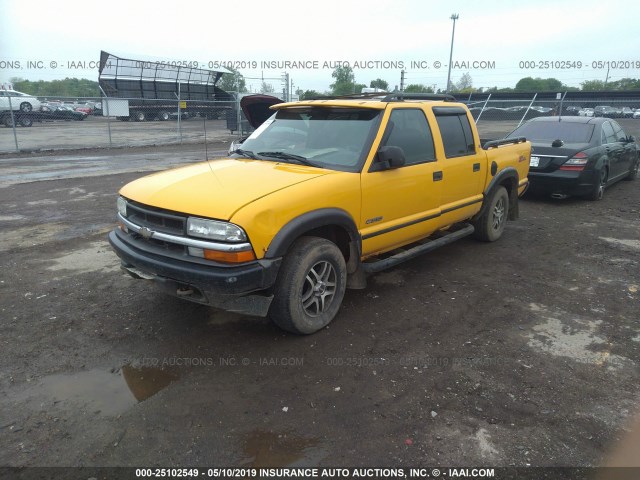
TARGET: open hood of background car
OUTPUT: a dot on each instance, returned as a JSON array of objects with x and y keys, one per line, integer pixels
[{"x": 256, "y": 108}]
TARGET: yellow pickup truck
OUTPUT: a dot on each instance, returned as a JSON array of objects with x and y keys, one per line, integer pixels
[{"x": 322, "y": 194}]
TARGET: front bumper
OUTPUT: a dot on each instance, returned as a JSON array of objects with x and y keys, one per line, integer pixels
[{"x": 238, "y": 288}]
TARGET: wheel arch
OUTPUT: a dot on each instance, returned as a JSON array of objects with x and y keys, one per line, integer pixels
[
  {"x": 333, "y": 224},
  {"x": 509, "y": 179}
]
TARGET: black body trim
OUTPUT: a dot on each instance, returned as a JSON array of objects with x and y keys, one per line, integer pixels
[
  {"x": 309, "y": 221},
  {"x": 420, "y": 220}
]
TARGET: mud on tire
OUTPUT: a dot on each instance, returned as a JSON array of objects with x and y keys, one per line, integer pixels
[
  {"x": 310, "y": 286},
  {"x": 490, "y": 225}
]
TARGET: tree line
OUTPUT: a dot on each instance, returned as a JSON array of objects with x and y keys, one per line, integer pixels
[{"x": 344, "y": 83}]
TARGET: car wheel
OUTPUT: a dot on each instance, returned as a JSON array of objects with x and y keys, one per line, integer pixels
[
  {"x": 26, "y": 121},
  {"x": 310, "y": 286},
  {"x": 633, "y": 173},
  {"x": 26, "y": 107},
  {"x": 163, "y": 116},
  {"x": 597, "y": 193},
  {"x": 490, "y": 225},
  {"x": 8, "y": 122}
]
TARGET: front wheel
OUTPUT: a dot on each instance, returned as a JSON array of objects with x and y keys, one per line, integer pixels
[
  {"x": 310, "y": 286},
  {"x": 633, "y": 171},
  {"x": 490, "y": 225}
]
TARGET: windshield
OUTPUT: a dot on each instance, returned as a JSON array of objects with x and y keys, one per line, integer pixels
[
  {"x": 326, "y": 137},
  {"x": 568, "y": 132}
]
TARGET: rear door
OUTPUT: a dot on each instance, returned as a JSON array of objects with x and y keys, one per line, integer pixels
[
  {"x": 628, "y": 154},
  {"x": 614, "y": 149},
  {"x": 463, "y": 163}
]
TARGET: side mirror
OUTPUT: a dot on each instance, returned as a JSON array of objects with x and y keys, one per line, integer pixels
[
  {"x": 631, "y": 138},
  {"x": 388, "y": 158}
]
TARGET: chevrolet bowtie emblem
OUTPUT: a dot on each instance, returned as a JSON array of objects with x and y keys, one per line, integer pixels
[{"x": 146, "y": 233}]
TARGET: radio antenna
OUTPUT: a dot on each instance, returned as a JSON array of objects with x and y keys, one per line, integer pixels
[{"x": 206, "y": 154}]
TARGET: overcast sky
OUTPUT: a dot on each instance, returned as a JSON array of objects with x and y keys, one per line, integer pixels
[{"x": 501, "y": 33}]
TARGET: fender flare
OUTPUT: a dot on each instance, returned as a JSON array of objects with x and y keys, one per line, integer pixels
[
  {"x": 309, "y": 221},
  {"x": 511, "y": 174}
]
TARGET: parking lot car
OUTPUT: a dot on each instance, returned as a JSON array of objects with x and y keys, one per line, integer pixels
[
  {"x": 636, "y": 114},
  {"x": 61, "y": 112},
  {"x": 317, "y": 197},
  {"x": 627, "y": 112},
  {"x": 578, "y": 155},
  {"x": 586, "y": 112},
  {"x": 19, "y": 101},
  {"x": 607, "y": 111}
]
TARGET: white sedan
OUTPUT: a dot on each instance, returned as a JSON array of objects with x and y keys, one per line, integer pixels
[
  {"x": 14, "y": 100},
  {"x": 586, "y": 112}
]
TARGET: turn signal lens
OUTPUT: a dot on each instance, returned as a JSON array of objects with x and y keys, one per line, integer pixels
[{"x": 229, "y": 257}]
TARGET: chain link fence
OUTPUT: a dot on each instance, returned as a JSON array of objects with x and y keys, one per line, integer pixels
[
  {"x": 498, "y": 118},
  {"x": 33, "y": 124}
]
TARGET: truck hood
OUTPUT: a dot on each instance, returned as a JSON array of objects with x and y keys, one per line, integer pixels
[
  {"x": 217, "y": 188},
  {"x": 256, "y": 108}
]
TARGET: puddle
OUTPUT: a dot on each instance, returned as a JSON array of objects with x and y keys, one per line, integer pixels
[
  {"x": 109, "y": 393},
  {"x": 634, "y": 244},
  {"x": 97, "y": 256},
  {"x": 564, "y": 335},
  {"x": 269, "y": 449}
]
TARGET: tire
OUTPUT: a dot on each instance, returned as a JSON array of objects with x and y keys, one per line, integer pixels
[
  {"x": 139, "y": 116},
  {"x": 597, "y": 193},
  {"x": 7, "y": 122},
  {"x": 26, "y": 121},
  {"x": 26, "y": 107},
  {"x": 163, "y": 116},
  {"x": 633, "y": 173},
  {"x": 490, "y": 225},
  {"x": 310, "y": 286}
]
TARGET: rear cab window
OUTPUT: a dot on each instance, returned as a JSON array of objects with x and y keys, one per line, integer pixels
[{"x": 455, "y": 130}]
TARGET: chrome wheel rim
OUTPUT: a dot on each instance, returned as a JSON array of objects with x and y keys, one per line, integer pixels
[
  {"x": 498, "y": 214},
  {"x": 319, "y": 289}
]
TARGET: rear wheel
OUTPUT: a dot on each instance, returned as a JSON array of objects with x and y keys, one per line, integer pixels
[
  {"x": 310, "y": 286},
  {"x": 597, "y": 193},
  {"x": 26, "y": 107},
  {"x": 7, "y": 121},
  {"x": 139, "y": 116},
  {"x": 163, "y": 116},
  {"x": 490, "y": 225},
  {"x": 26, "y": 121}
]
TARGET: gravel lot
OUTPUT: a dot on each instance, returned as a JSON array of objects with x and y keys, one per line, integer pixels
[{"x": 520, "y": 352}]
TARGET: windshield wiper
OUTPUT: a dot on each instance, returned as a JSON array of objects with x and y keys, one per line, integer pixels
[
  {"x": 290, "y": 156},
  {"x": 246, "y": 153}
]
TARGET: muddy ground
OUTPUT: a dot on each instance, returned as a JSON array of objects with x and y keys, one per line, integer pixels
[{"x": 520, "y": 352}]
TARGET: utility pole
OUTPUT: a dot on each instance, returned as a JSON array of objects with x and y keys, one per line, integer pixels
[
  {"x": 402, "y": 80},
  {"x": 454, "y": 17}
]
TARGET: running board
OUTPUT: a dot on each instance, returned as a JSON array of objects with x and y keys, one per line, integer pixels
[{"x": 424, "y": 246}]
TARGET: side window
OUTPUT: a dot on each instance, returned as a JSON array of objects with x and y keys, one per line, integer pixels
[
  {"x": 408, "y": 129},
  {"x": 618, "y": 132},
  {"x": 607, "y": 130},
  {"x": 456, "y": 135}
]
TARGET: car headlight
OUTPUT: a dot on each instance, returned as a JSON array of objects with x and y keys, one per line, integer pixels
[
  {"x": 215, "y": 230},
  {"x": 122, "y": 206}
]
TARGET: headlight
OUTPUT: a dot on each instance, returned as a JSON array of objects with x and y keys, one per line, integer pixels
[
  {"x": 122, "y": 206},
  {"x": 215, "y": 230}
]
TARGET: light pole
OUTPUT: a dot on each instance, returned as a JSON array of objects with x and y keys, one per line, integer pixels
[{"x": 454, "y": 17}]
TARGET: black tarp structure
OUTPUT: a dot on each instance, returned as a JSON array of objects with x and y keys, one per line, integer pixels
[{"x": 129, "y": 78}]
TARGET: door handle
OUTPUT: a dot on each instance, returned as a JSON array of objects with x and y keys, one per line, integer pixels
[
  {"x": 437, "y": 176},
  {"x": 476, "y": 167}
]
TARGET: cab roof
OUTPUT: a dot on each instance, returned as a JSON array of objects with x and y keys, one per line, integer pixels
[{"x": 369, "y": 100}]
